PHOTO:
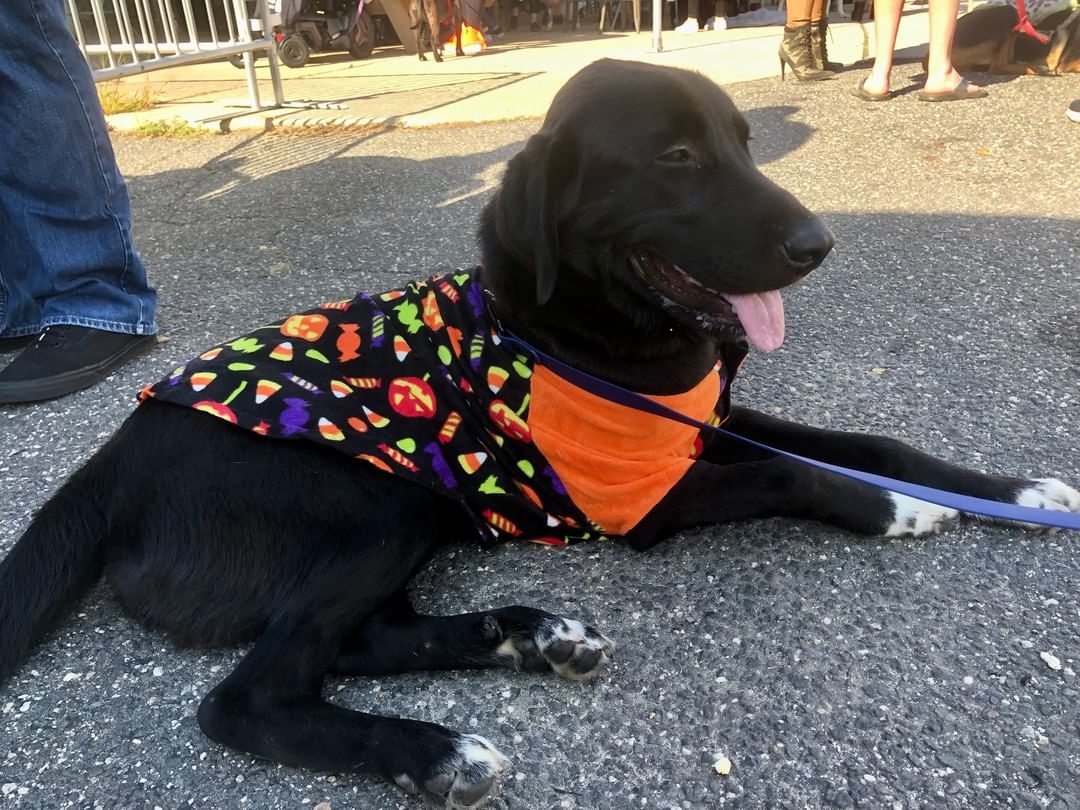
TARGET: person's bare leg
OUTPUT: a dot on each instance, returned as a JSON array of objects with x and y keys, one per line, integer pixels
[
  {"x": 886, "y": 26},
  {"x": 941, "y": 76}
]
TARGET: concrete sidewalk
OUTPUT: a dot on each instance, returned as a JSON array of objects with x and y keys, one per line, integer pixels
[{"x": 515, "y": 78}]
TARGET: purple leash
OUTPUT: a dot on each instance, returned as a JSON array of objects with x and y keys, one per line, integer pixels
[{"x": 963, "y": 503}]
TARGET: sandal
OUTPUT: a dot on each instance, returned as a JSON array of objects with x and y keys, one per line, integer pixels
[
  {"x": 862, "y": 93},
  {"x": 961, "y": 92}
]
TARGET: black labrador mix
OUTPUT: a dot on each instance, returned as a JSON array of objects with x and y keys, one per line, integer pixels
[{"x": 633, "y": 238}]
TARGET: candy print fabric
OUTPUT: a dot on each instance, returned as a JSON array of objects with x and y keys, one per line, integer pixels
[
  {"x": 417, "y": 383},
  {"x": 414, "y": 382}
]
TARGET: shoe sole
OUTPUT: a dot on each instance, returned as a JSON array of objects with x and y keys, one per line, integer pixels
[{"x": 69, "y": 382}]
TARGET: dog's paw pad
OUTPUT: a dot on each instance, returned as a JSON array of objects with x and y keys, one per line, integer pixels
[
  {"x": 1048, "y": 493},
  {"x": 553, "y": 644},
  {"x": 574, "y": 650},
  {"x": 915, "y": 518},
  {"x": 463, "y": 779}
]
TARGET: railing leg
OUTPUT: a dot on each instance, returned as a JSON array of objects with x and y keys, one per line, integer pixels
[{"x": 271, "y": 55}]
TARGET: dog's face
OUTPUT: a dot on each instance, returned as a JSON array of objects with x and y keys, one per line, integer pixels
[{"x": 641, "y": 182}]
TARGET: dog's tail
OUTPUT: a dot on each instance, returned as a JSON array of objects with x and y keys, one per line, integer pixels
[{"x": 54, "y": 563}]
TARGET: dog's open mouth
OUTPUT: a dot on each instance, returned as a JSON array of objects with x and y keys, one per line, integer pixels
[{"x": 759, "y": 315}]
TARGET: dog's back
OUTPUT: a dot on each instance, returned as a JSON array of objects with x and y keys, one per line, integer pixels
[{"x": 987, "y": 39}]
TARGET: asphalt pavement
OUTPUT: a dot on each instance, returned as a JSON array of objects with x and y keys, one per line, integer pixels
[{"x": 832, "y": 671}]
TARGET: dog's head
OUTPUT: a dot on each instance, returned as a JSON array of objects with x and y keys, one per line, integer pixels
[{"x": 639, "y": 194}]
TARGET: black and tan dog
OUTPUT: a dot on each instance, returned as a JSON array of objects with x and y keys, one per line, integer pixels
[
  {"x": 987, "y": 40},
  {"x": 634, "y": 238},
  {"x": 427, "y": 17}
]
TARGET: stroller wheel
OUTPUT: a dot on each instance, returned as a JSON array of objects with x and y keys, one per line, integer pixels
[
  {"x": 294, "y": 50},
  {"x": 362, "y": 37}
]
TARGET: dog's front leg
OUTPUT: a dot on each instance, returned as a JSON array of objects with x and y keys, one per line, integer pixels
[
  {"x": 435, "y": 28},
  {"x": 781, "y": 487},
  {"x": 458, "y": 20},
  {"x": 885, "y": 456}
]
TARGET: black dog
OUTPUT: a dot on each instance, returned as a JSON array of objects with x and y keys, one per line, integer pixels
[
  {"x": 427, "y": 18},
  {"x": 633, "y": 238}
]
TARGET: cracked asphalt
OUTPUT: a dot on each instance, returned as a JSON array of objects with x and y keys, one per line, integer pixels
[{"x": 832, "y": 671}]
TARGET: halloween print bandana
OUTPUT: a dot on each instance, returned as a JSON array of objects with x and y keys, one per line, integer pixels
[{"x": 417, "y": 383}]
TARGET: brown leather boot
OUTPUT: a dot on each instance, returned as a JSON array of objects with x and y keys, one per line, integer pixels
[
  {"x": 819, "y": 34},
  {"x": 795, "y": 53}
]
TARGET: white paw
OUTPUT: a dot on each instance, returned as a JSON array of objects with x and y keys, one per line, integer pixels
[
  {"x": 914, "y": 517},
  {"x": 464, "y": 779},
  {"x": 575, "y": 652},
  {"x": 1048, "y": 493},
  {"x": 566, "y": 646}
]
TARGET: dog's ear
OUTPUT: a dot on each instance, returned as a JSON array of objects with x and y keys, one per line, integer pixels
[{"x": 539, "y": 188}]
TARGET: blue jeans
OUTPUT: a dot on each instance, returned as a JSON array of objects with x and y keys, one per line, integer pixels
[{"x": 66, "y": 255}]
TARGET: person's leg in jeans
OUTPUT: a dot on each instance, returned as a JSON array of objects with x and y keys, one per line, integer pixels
[{"x": 68, "y": 265}]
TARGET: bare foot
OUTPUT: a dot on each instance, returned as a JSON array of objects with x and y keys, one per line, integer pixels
[
  {"x": 876, "y": 85},
  {"x": 948, "y": 82}
]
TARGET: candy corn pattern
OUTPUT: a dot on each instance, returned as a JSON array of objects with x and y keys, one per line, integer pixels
[
  {"x": 283, "y": 351},
  {"x": 339, "y": 389},
  {"x": 264, "y": 389},
  {"x": 496, "y": 377},
  {"x": 412, "y": 382}
]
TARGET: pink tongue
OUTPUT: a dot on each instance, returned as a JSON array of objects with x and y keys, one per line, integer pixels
[{"x": 762, "y": 317}]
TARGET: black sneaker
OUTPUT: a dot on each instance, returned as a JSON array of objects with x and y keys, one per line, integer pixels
[
  {"x": 65, "y": 359},
  {"x": 1073, "y": 111},
  {"x": 13, "y": 344}
]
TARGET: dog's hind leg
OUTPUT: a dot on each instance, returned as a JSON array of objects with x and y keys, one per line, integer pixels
[
  {"x": 431, "y": 9},
  {"x": 271, "y": 706},
  {"x": 396, "y": 640},
  {"x": 420, "y": 41}
]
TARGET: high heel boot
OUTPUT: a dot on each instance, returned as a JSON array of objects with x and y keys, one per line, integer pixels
[
  {"x": 819, "y": 35},
  {"x": 795, "y": 53}
]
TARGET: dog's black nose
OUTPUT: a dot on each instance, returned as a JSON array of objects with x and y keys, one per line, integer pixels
[{"x": 808, "y": 245}]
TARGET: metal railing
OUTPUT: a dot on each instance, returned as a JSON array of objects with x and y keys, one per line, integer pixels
[{"x": 126, "y": 37}]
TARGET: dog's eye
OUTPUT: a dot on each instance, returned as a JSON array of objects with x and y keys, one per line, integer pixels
[{"x": 680, "y": 155}]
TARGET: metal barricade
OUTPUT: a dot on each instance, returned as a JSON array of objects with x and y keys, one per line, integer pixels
[{"x": 126, "y": 37}]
